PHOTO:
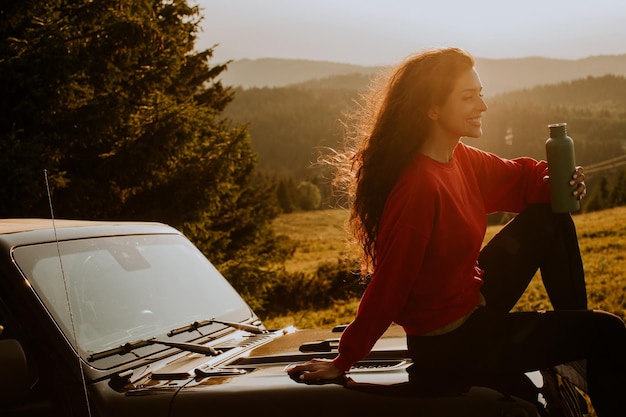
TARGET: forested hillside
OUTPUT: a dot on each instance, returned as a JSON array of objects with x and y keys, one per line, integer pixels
[
  {"x": 594, "y": 109},
  {"x": 499, "y": 75},
  {"x": 289, "y": 126}
]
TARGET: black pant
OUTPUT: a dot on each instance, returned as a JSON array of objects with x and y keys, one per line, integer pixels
[{"x": 494, "y": 342}]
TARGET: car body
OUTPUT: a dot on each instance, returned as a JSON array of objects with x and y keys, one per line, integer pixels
[{"x": 130, "y": 318}]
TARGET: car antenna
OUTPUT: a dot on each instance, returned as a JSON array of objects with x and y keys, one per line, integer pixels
[{"x": 67, "y": 294}]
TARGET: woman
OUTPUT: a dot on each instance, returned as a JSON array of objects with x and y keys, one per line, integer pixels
[{"x": 419, "y": 213}]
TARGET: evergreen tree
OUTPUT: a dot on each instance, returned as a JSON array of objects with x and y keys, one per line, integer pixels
[
  {"x": 285, "y": 193},
  {"x": 618, "y": 194},
  {"x": 112, "y": 99},
  {"x": 600, "y": 197}
]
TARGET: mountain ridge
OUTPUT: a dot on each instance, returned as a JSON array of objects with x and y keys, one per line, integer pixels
[
  {"x": 498, "y": 75},
  {"x": 281, "y": 72}
]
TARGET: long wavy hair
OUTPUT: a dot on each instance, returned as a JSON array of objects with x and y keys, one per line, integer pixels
[{"x": 387, "y": 131}]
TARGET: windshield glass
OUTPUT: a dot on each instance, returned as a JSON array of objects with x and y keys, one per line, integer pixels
[{"x": 125, "y": 288}]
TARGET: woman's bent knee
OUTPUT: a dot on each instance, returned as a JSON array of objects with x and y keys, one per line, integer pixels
[{"x": 609, "y": 321}]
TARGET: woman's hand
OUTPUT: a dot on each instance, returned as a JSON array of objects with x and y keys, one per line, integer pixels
[
  {"x": 578, "y": 179},
  {"x": 315, "y": 370}
]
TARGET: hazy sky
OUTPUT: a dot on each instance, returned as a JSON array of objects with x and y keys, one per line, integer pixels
[{"x": 380, "y": 32}]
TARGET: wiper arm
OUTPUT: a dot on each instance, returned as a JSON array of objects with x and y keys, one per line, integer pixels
[
  {"x": 241, "y": 326},
  {"x": 190, "y": 347},
  {"x": 197, "y": 324},
  {"x": 131, "y": 346},
  {"x": 189, "y": 328}
]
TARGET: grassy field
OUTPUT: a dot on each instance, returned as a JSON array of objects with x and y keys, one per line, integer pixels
[{"x": 321, "y": 237}]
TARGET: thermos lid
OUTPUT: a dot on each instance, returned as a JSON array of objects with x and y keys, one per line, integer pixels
[{"x": 557, "y": 129}]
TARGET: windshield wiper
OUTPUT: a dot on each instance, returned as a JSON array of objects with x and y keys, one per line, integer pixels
[
  {"x": 197, "y": 324},
  {"x": 189, "y": 347},
  {"x": 131, "y": 346}
]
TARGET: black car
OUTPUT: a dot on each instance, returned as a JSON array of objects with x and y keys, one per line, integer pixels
[{"x": 130, "y": 319}]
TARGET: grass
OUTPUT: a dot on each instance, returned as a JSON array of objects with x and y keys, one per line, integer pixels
[{"x": 321, "y": 237}]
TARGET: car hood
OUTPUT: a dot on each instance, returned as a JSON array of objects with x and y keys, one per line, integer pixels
[{"x": 253, "y": 380}]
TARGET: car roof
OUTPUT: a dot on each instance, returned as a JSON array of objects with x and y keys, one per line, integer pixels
[
  {"x": 25, "y": 225},
  {"x": 18, "y": 231}
]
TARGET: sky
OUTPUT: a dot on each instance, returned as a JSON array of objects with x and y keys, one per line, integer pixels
[{"x": 383, "y": 32}]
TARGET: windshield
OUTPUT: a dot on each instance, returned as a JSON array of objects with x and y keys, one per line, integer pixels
[{"x": 124, "y": 288}]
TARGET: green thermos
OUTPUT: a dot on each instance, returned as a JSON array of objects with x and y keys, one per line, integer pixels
[{"x": 561, "y": 167}]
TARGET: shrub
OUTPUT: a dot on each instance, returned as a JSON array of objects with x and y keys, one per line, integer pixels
[{"x": 297, "y": 291}]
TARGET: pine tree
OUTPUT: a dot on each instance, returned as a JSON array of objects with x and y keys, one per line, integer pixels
[
  {"x": 600, "y": 197},
  {"x": 112, "y": 99},
  {"x": 618, "y": 194},
  {"x": 285, "y": 194}
]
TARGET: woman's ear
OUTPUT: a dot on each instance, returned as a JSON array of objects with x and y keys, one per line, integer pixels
[{"x": 433, "y": 113}]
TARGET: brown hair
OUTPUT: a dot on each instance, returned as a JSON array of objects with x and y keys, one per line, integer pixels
[{"x": 386, "y": 133}]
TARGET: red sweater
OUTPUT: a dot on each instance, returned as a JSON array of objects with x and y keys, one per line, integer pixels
[{"x": 430, "y": 235}]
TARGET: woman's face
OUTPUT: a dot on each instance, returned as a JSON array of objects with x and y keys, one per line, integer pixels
[{"x": 460, "y": 115}]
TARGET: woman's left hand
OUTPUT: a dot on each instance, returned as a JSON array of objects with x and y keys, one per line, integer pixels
[
  {"x": 578, "y": 179},
  {"x": 315, "y": 370}
]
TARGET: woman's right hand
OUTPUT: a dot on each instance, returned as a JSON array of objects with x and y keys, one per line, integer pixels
[{"x": 315, "y": 370}]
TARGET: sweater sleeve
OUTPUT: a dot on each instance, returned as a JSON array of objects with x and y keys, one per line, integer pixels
[
  {"x": 508, "y": 185},
  {"x": 400, "y": 251}
]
